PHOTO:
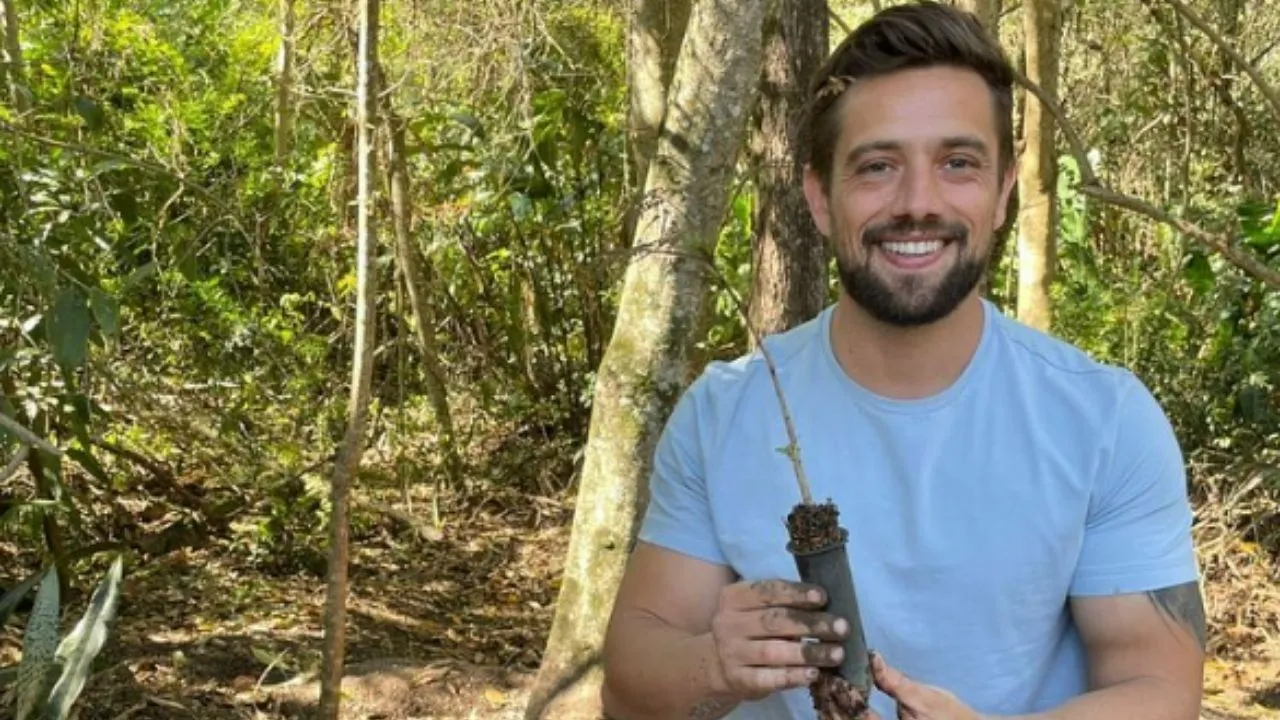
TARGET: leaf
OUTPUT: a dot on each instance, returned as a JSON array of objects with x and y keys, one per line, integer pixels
[
  {"x": 79, "y": 649},
  {"x": 105, "y": 310},
  {"x": 39, "y": 645},
  {"x": 494, "y": 695},
  {"x": 1198, "y": 273},
  {"x": 90, "y": 111},
  {"x": 10, "y": 601},
  {"x": 68, "y": 328},
  {"x": 90, "y": 464}
]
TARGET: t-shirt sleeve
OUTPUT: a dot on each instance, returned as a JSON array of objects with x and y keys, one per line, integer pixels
[
  {"x": 1138, "y": 532},
  {"x": 678, "y": 516}
]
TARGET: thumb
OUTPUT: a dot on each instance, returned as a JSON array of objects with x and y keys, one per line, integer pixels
[{"x": 894, "y": 684}]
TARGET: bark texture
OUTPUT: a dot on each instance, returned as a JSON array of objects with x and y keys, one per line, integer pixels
[
  {"x": 14, "y": 75},
  {"x": 645, "y": 366},
  {"x": 284, "y": 83},
  {"x": 348, "y": 461},
  {"x": 414, "y": 270},
  {"x": 789, "y": 254},
  {"x": 1037, "y": 182},
  {"x": 653, "y": 44}
]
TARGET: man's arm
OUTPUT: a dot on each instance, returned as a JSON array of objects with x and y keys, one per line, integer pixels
[
  {"x": 686, "y": 641},
  {"x": 659, "y": 656},
  {"x": 1146, "y": 655}
]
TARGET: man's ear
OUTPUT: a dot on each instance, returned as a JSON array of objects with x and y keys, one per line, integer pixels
[
  {"x": 1010, "y": 181},
  {"x": 819, "y": 205}
]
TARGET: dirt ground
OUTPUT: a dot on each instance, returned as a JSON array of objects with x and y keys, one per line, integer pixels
[{"x": 448, "y": 623}]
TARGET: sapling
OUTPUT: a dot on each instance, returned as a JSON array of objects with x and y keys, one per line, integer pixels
[{"x": 818, "y": 545}]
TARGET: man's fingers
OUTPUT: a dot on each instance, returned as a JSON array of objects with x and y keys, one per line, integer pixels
[
  {"x": 770, "y": 593},
  {"x": 782, "y": 652},
  {"x": 909, "y": 694},
  {"x": 792, "y": 623},
  {"x": 759, "y": 680}
]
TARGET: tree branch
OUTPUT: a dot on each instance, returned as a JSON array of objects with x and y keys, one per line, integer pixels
[
  {"x": 1249, "y": 68},
  {"x": 26, "y": 436},
  {"x": 1090, "y": 186}
]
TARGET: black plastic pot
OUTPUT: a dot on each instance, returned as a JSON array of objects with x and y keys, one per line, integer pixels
[{"x": 829, "y": 568}]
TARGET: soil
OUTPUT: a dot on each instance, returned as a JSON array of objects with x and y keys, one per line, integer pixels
[{"x": 814, "y": 527}]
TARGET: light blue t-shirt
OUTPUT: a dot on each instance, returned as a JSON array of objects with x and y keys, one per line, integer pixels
[{"x": 973, "y": 514}]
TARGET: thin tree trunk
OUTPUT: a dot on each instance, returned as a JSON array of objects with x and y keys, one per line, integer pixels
[
  {"x": 362, "y": 366},
  {"x": 789, "y": 254},
  {"x": 988, "y": 12},
  {"x": 1038, "y": 217},
  {"x": 15, "y": 76},
  {"x": 653, "y": 42},
  {"x": 645, "y": 367},
  {"x": 284, "y": 83},
  {"x": 414, "y": 270}
]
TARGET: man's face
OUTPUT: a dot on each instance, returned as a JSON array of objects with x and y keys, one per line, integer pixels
[{"x": 915, "y": 192}]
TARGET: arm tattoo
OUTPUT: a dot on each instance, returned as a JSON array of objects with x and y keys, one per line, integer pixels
[
  {"x": 708, "y": 709},
  {"x": 1184, "y": 605}
]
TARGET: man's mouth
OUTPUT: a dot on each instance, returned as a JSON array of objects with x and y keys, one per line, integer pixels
[{"x": 912, "y": 254}]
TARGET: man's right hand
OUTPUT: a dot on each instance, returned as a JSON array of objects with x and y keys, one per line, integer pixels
[{"x": 760, "y": 629}]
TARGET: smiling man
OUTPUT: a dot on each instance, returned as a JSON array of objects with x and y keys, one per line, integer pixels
[{"x": 1019, "y": 529}]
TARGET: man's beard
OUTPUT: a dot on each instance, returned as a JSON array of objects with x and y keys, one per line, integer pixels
[{"x": 905, "y": 305}]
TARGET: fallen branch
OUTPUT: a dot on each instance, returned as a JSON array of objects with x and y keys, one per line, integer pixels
[
  {"x": 1091, "y": 186},
  {"x": 26, "y": 436},
  {"x": 1249, "y": 68}
]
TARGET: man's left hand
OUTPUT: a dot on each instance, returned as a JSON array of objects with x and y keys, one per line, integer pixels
[{"x": 916, "y": 701}]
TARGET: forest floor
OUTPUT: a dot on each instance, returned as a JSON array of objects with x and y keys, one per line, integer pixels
[{"x": 449, "y": 622}]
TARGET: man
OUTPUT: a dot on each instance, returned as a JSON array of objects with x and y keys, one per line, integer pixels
[{"x": 1019, "y": 529}]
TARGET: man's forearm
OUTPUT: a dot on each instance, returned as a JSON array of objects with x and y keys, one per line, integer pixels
[
  {"x": 663, "y": 673},
  {"x": 1147, "y": 698}
]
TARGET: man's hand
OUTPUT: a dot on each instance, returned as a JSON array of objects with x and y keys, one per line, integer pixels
[
  {"x": 916, "y": 701},
  {"x": 758, "y": 629}
]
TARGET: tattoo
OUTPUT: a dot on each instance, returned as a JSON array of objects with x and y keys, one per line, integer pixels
[
  {"x": 708, "y": 709},
  {"x": 1184, "y": 605}
]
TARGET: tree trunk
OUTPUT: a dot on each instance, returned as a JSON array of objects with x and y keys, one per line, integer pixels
[
  {"x": 653, "y": 42},
  {"x": 14, "y": 74},
  {"x": 362, "y": 366},
  {"x": 284, "y": 83},
  {"x": 414, "y": 270},
  {"x": 789, "y": 254},
  {"x": 645, "y": 367},
  {"x": 1038, "y": 215},
  {"x": 988, "y": 11}
]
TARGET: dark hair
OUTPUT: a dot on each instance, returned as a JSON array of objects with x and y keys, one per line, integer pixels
[{"x": 915, "y": 35}]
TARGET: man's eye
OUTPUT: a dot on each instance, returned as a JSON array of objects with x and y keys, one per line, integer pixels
[
  {"x": 876, "y": 166},
  {"x": 961, "y": 163}
]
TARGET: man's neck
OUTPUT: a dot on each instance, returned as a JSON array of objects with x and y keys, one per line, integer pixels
[{"x": 905, "y": 363}]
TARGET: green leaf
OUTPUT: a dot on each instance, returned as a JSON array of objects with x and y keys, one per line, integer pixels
[
  {"x": 39, "y": 647},
  {"x": 10, "y": 601},
  {"x": 90, "y": 111},
  {"x": 68, "y": 328},
  {"x": 90, "y": 464},
  {"x": 79, "y": 649},
  {"x": 1198, "y": 273},
  {"x": 105, "y": 310}
]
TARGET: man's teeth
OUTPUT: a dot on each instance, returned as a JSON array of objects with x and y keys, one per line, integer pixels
[{"x": 923, "y": 247}]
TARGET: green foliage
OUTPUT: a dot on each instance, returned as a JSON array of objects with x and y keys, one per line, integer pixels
[{"x": 52, "y": 674}]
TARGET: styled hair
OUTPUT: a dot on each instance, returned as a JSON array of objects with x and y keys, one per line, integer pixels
[{"x": 915, "y": 35}]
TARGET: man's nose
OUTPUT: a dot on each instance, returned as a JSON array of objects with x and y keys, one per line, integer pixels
[{"x": 919, "y": 195}]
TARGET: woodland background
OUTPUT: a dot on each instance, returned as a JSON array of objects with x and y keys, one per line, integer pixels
[{"x": 310, "y": 294}]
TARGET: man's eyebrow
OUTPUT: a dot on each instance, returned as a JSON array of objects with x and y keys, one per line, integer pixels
[
  {"x": 857, "y": 152},
  {"x": 971, "y": 142}
]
